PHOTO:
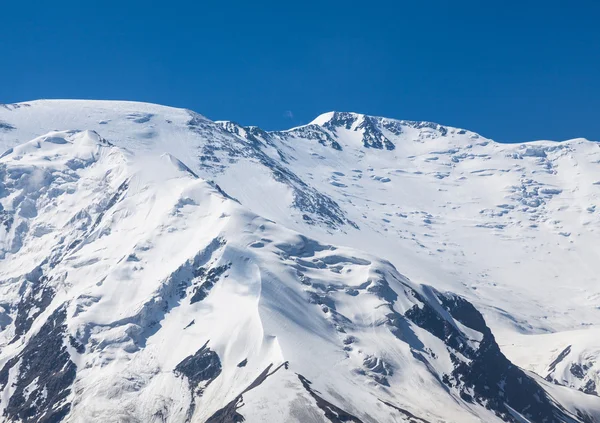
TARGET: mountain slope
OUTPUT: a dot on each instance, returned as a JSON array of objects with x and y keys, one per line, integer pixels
[
  {"x": 445, "y": 204},
  {"x": 173, "y": 299}
]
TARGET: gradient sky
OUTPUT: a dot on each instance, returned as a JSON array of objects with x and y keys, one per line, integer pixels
[{"x": 512, "y": 71}]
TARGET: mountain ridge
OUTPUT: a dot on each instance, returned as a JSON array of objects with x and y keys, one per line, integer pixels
[{"x": 315, "y": 121}]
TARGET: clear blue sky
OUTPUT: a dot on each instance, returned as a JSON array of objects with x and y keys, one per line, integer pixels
[{"x": 511, "y": 70}]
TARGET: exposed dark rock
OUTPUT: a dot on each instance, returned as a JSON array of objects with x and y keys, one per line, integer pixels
[
  {"x": 382, "y": 289},
  {"x": 6, "y": 126},
  {"x": 229, "y": 413},
  {"x": 340, "y": 120},
  {"x": 412, "y": 418},
  {"x": 6, "y": 219},
  {"x": 5, "y": 318},
  {"x": 44, "y": 376},
  {"x": 349, "y": 340},
  {"x": 204, "y": 366},
  {"x": 372, "y": 135},
  {"x": 585, "y": 418},
  {"x": 37, "y": 296},
  {"x": 427, "y": 318},
  {"x": 116, "y": 197},
  {"x": 578, "y": 370},
  {"x": 394, "y": 126},
  {"x": 208, "y": 278},
  {"x": 400, "y": 328},
  {"x": 79, "y": 347},
  {"x": 310, "y": 132},
  {"x": 590, "y": 387},
  {"x": 333, "y": 413},
  {"x": 487, "y": 377},
  {"x": 222, "y": 192},
  {"x": 464, "y": 312}
]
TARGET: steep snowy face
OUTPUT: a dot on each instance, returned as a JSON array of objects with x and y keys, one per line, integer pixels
[
  {"x": 213, "y": 149},
  {"x": 449, "y": 205},
  {"x": 162, "y": 297}
]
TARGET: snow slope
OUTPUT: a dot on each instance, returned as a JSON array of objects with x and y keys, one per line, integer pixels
[{"x": 159, "y": 296}]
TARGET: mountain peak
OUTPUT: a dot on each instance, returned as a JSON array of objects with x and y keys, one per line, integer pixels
[
  {"x": 323, "y": 118},
  {"x": 334, "y": 118}
]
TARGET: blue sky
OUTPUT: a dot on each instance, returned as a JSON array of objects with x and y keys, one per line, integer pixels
[{"x": 513, "y": 71}]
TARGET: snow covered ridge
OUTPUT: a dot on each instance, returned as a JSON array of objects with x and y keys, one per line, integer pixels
[{"x": 131, "y": 289}]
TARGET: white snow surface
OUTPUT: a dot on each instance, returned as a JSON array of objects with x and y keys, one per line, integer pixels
[{"x": 124, "y": 208}]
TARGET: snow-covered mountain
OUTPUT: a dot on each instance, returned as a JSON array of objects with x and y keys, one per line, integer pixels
[{"x": 157, "y": 266}]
